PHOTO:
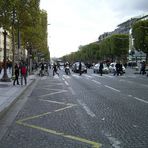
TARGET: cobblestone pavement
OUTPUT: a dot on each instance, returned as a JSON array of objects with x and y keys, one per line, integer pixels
[{"x": 82, "y": 112}]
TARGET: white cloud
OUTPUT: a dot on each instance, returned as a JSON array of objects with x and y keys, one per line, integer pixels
[{"x": 79, "y": 22}]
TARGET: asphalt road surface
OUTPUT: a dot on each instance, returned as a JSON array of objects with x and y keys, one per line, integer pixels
[{"x": 87, "y": 111}]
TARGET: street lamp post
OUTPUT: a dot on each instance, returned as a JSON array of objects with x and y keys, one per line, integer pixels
[
  {"x": 13, "y": 41},
  {"x": 5, "y": 77},
  {"x": 47, "y": 41},
  {"x": 30, "y": 59}
]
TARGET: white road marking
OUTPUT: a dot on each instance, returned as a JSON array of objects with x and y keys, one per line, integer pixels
[
  {"x": 88, "y": 76},
  {"x": 129, "y": 95},
  {"x": 56, "y": 77},
  {"x": 53, "y": 93},
  {"x": 112, "y": 88},
  {"x": 66, "y": 83},
  {"x": 140, "y": 100},
  {"x": 96, "y": 82},
  {"x": 77, "y": 76},
  {"x": 43, "y": 78},
  {"x": 72, "y": 91},
  {"x": 51, "y": 84},
  {"x": 66, "y": 76},
  {"x": 88, "y": 111},
  {"x": 62, "y": 103}
]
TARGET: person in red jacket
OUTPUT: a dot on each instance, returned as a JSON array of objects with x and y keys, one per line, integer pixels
[{"x": 23, "y": 74}]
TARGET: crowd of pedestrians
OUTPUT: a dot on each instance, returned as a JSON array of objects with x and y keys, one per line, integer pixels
[{"x": 21, "y": 70}]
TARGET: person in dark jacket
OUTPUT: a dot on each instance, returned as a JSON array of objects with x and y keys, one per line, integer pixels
[
  {"x": 101, "y": 68},
  {"x": 118, "y": 68},
  {"x": 55, "y": 69},
  {"x": 16, "y": 75},
  {"x": 42, "y": 69},
  {"x": 80, "y": 68},
  {"x": 143, "y": 65}
]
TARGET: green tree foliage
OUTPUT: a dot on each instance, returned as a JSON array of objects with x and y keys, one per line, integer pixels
[
  {"x": 5, "y": 13},
  {"x": 26, "y": 16},
  {"x": 111, "y": 48},
  {"x": 140, "y": 35},
  {"x": 87, "y": 53},
  {"x": 114, "y": 47}
]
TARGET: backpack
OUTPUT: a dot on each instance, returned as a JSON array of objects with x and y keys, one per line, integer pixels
[{"x": 23, "y": 70}]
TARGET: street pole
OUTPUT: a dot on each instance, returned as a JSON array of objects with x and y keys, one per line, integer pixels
[
  {"x": 5, "y": 77},
  {"x": 18, "y": 31},
  {"x": 13, "y": 42},
  {"x": 47, "y": 41}
]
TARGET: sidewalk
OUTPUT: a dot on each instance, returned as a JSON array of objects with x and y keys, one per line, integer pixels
[{"x": 9, "y": 93}]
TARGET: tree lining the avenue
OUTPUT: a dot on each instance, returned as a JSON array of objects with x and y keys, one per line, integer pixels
[
  {"x": 26, "y": 16},
  {"x": 140, "y": 35},
  {"x": 111, "y": 48}
]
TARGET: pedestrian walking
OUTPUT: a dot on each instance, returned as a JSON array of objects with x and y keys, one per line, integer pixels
[
  {"x": 55, "y": 69},
  {"x": 101, "y": 68},
  {"x": 42, "y": 69},
  {"x": 80, "y": 68},
  {"x": 120, "y": 69},
  {"x": 23, "y": 74},
  {"x": 117, "y": 68},
  {"x": 143, "y": 65},
  {"x": 16, "y": 75}
]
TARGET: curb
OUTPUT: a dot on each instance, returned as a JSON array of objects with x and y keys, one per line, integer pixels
[{"x": 16, "y": 98}]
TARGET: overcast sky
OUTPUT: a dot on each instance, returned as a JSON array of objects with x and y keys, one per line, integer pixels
[{"x": 80, "y": 22}]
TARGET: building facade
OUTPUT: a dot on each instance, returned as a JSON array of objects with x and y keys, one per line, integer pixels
[
  {"x": 123, "y": 28},
  {"x": 8, "y": 45}
]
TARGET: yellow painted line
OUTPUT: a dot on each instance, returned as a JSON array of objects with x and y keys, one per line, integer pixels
[
  {"x": 62, "y": 103},
  {"x": 94, "y": 144},
  {"x": 21, "y": 122},
  {"x": 61, "y": 109},
  {"x": 33, "y": 117},
  {"x": 47, "y": 113},
  {"x": 47, "y": 88}
]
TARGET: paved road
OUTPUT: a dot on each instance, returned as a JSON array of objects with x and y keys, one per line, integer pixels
[{"x": 80, "y": 112}]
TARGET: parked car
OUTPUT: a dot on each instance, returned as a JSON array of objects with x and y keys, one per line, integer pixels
[
  {"x": 96, "y": 68},
  {"x": 112, "y": 68},
  {"x": 75, "y": 67}
]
